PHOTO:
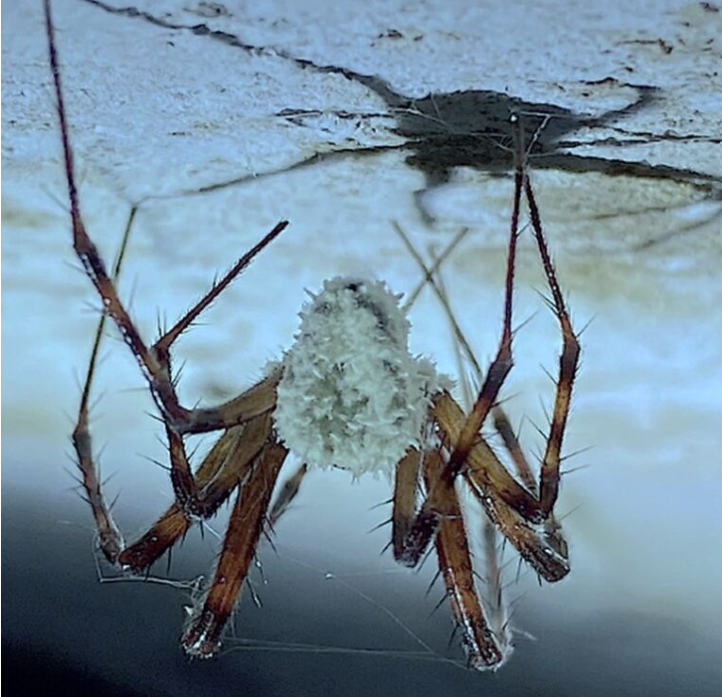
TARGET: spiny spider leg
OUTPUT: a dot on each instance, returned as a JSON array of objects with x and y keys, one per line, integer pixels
[
  {"x": 288, "y": 491},
  {"x": 110, "y": 539},
  {"x": 155, "y": 365},
  {"x": 501, "y": 421},
  {"x": 203, "y": 633},
  {"x": 568, "y": 363},
  {"x": 493, "y": 598},
  {"x": 552, "y": 565},
  {"x": 254, "y": 404},
  {"x": 419, "y": 535},
  {"x": 511, "y": 506},
  {"x": 490, "y": 482},
  {"x": 547, "y": 556},
  {"x": 503, "y": 361},
  {"x": 452, "y": 549},
  {"x": 550, "y": 558},
  {"x": 226, "y": 466},
  {"x": 509, "y": 438},
  {"x": 484, "y": 466},
  {"x": 406, "y": 489}
]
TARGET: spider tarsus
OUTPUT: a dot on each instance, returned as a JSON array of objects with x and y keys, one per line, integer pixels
[
  {"x": 416, "y": 541},
  {"x": 202, "y": 638}
]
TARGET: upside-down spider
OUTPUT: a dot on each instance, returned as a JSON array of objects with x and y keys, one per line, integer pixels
[{"x": 349, "y": 394}]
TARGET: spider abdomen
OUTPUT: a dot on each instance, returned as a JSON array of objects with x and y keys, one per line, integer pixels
[{"x": 351, "y": 394}]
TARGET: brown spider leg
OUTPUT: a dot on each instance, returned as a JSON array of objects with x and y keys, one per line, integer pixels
[
  {"x": 548, "y": 553},
  {"x": 226, "y": 466},
  {"x": 568, "y": 362},
  {"x": 481, "y": 646},
  {"x": 256, "y": 400},
  {"x": 503, "y": 361},
  {"x": 110, "y": 539},
  {"x": 232, "y": 453},
  {"x": 543, "y": 551},
  {"x": 406, "y": 489},
  {"x": 254, "y": 404},
  {"x": 501, "y": 421},
  {"x": 286, "y": 494},
  {"x": 509, "y": 438},
  {"x": 452, "y": 551},
  {"x": 154, "y": 366},
  {"x": 495, "y": 606},
  {"x": 489, "y": 481},
  {"x": 426, "y": 521},
  {"x": 553, "y": 533},
  {"x": 493, "y": 600},
  {"x": 202, "y": 636},
  {"x": 552, "y": 566}
]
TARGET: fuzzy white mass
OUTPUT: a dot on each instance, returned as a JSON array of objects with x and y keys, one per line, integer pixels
[{"x": 351, "y": 394}]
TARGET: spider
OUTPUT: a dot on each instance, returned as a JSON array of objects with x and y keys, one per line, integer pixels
[{"x": 347, "y": 394}]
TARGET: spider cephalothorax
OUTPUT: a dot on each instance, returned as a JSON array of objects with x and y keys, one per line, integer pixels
[
  {"x": 352, "y": 395},
  {"x": 348, "y": 393}
]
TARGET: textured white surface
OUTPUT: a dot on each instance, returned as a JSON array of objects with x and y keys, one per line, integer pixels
[{"x": 156, "y": 112}]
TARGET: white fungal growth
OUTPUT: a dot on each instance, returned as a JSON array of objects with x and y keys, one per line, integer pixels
[{"x": 351, "y": 395}]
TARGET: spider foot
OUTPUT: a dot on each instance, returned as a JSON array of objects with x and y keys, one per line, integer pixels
[
  {"x": 490, "y": 661},
  {"x": 546, "y": 552},
  {"x": 202, "y": 637},
  {"x": 111, "y": 546},
  {"x": 412, "y": 544}
]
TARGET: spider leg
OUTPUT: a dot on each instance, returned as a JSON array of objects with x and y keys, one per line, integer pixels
[
  {"x": 513, "y": 509},
  {"x": 110, "y": 539},
  {"x": 553, "y": 533},
  {"x": 501, "y": 421},
  {"x": 568, "y": 363},
  {"x": 503, "y": 427},
  {"x": 226, "y": 466},
  {"x": 483, "y": 461},
  {"x": 552, "y": 529},
  {"x": 503, "y": 361},
  {"x": 406, "y": 489},
  {"x": 154, "y": 361},
  {"x": 505, "y": 501},
  {"x": 462, "y": 443},
  {"x": 252, "y": 404},
  {"x": 541, "y": 549},
  {"x": 483, "y": 649},
  {"x": 202, "y": 636},
  {"x": 286, "y": 494},
  {"x": 509, "y": 504}
]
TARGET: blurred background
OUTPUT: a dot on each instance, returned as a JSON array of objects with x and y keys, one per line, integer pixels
[{"x": 219, "y": 119}]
